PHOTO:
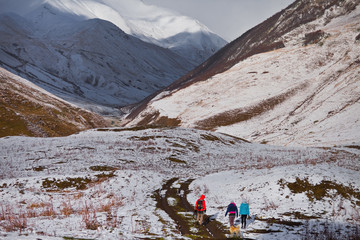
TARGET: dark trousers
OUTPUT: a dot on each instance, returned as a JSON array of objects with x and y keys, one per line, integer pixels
[
  {"x": 231, "y": 219},
  {"x": 243, "y": 221}
]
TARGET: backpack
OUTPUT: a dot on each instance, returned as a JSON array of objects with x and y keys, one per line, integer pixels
[{"x": 199, "y": 205}]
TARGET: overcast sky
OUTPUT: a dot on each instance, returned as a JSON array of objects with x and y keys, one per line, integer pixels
[{"x": 227, "y": 18}]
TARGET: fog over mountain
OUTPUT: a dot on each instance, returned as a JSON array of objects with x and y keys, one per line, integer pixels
[{"x": 228, "y": 18}]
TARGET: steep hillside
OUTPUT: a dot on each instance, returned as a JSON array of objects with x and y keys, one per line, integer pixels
[
  {"x": 87, "y": 61},
  {"x": 267, "y": 36},
  {"x": 89, "y": 52},
  {"x": 305, "y": 92},
  {"x": 184, "y": 35},
  {"x": 27, "y": 110}
]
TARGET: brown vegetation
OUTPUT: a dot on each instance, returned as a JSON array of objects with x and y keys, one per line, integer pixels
[
  {"x": 243, "y": 114},
  {"x": 322, "y": 189},
  {"x": 314, "y": 37},
  {"x": 155, "y": 120},
  {"x": 30, "y": 112}
]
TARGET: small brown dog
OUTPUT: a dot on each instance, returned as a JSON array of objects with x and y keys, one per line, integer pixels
[{"x": 235, "y": 231}]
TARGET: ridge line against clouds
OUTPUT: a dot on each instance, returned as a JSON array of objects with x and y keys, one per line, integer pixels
[{"x": 227, "y": 18}]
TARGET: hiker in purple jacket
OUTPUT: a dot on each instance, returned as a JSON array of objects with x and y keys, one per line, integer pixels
[{"x": 233, "y": 211}]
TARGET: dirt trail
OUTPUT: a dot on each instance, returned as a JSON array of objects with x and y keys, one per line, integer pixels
[{"x": 181, "y": 212}]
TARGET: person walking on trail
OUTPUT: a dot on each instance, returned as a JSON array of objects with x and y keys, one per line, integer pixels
[
  {"x": 244, "y": 212},
  {"x": 200, "y": 208},
  {"x": 233, "y": 211}
]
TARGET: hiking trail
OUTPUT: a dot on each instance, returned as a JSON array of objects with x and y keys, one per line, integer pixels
[{"x": 181, "y": 211}]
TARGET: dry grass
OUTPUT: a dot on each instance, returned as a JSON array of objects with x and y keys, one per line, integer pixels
[
  {"x": 112, "y": 219},
  {"x": 3, "y": 210},
  {"x": 321, "y": 190},
  {"x": 48, "y": 210},
  {"x": 31, "y": 213},
  {"x": 26, "y": 111},
  {"x": 269, "y": 205},
  {"x": 154, "y": 120},
  {"x": 88, "y": 214},
  {"x": 243, "y": 114},
  {"x": 77, "y": 205},
  {"x": 12, "y": 221},
  {"x": 66, "y": 208},
  {"x": 105, "y": 207}
]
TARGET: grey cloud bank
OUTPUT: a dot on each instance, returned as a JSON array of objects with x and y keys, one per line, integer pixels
[{"x": 227, "y": 18}]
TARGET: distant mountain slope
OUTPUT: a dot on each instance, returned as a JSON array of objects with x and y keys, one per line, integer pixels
[
  {"x": 264, "y": 37},
  {"x": 267, "y": 36},
  {"x": 76, "y": 50},
  {"x": 27, "y": 110},
  {"x": 88, "y": 61},
  {"x": 184, "y": 35},
  {"x": 305, "y": 93}
]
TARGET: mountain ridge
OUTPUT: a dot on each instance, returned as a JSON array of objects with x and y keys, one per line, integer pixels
[
  {"x": 100, "y": 68},
  {"x": 271, "y": 97},
  {"x": 71, "y": 64},
  {"x": 150, "y": 23},
  {"x": 243, "y": 47}
]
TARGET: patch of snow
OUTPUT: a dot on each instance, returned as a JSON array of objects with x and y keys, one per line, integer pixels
[{"x": 124, "y": 205}]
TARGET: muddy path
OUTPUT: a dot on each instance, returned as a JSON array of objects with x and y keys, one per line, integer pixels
[{"x": 181, "y": 211}]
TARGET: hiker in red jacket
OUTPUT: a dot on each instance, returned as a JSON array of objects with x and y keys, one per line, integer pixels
[{"x": 200, "y": 208}]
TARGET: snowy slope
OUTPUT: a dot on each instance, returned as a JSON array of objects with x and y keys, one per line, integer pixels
[
  {"x": 301, "y": 94},
  {"x": 88, "y": 52},
  {"x": 184, "y": 35},
  {"x": 87, "y": 61},
  {"x": 102, "y": 184},
  {"x": 28, "y": 110}
]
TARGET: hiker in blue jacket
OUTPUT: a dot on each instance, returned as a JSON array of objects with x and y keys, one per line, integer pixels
[
  {"x": 244, "y": 212},
  {"x": 232, "y": 210}
]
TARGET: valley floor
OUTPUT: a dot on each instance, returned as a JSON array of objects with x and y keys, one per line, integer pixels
[{"x": 142, "y": 184}]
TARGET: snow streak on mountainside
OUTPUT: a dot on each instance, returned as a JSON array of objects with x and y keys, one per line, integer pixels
[
  {"x": 304, "y": 93},
  {"x": 67, "y": 49},
  {"x": 26, "y": 109}
]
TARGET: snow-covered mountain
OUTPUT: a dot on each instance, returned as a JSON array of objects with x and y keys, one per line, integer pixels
[
  {"x": 291, "y": 80},
  {"x": 90, "y": 61},
  {"x": 89, "y": 52},
  {"x": 30, "y": 111},
  {"x": 184, "y": 35}
]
